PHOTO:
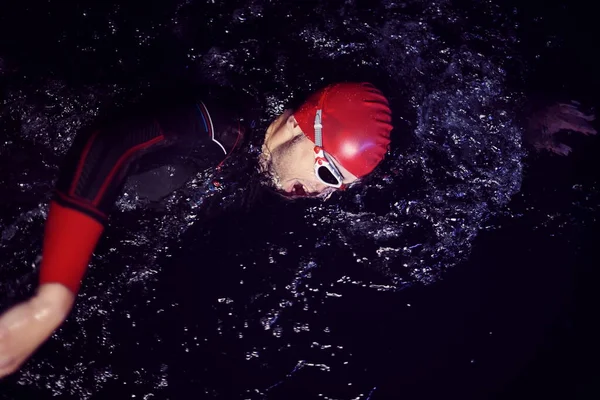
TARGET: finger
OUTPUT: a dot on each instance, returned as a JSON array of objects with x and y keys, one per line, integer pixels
[
  {"x": 581, "y": 127},
  {"x": 589, "y": 130},
  {"x": 574, "y": 123},
  {"x": 562, "y": 149},
  {"x": 573, "y": 110}
]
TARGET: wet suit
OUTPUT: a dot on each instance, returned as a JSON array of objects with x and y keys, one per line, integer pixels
[{"x": 158, "y": 147}]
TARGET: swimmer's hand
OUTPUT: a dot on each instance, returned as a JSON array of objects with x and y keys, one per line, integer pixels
[
  {"x": 24, "y": 327},
  {"x": 543, "y": 125}
]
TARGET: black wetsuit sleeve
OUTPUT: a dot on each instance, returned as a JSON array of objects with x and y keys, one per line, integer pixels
[
  {"x": 101, "y": 159},
  {"x": 99, "y": 162}
]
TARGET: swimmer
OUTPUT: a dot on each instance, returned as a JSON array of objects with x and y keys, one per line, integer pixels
[{"x": 336, "y": 137}]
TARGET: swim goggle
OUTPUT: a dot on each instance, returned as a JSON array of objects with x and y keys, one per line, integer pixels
[{"x": 325, "y": 169}]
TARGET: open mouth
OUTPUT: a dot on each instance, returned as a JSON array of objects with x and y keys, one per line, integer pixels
[
  {"x": 295, "y": 189},
  {"x": 299, "y": 190}
]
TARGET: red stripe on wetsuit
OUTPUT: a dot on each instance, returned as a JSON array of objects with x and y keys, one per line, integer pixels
[{"x": 90, "y": 181}]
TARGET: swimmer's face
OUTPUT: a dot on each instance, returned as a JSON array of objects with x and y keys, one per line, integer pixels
[{"x": 289, "y": 159}]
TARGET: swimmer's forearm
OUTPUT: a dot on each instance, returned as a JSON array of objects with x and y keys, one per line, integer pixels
[
  {"x": 25, "y": 326},
  {"x": 56, "y": 299}
]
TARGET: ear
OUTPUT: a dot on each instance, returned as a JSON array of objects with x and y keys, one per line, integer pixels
[
  {"x": 291, "y": 121},
  {"x": 293, "y": 126}
]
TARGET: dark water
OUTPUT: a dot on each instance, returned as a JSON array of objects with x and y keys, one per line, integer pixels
[{"x": 464, "y": 267}]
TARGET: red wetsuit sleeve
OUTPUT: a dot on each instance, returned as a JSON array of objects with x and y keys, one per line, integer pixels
[{"x": 69, "y": 240}]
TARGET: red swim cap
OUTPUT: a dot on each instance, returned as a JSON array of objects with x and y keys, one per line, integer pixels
[{"x": 356, "y": 124}]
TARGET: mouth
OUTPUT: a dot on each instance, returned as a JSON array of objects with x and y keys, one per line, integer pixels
[{"x": 295, "y": 189}]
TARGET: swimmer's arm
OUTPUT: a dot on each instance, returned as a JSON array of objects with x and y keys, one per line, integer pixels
[
  {"x": 24, "y": 327},
  {"x": 90, "y": 181},
  {"x": 56, "y": 297},
  {"x": 92, "y": 178}
]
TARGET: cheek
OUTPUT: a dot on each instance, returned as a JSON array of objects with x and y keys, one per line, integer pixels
[
  {"x": 295, "y": 159},
  {"x": 303, "y": 165}
]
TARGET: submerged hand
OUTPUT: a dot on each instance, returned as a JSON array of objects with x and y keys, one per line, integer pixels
[
  {"x": 544, "y": 124},
  {"x": 24, "y": 327}
]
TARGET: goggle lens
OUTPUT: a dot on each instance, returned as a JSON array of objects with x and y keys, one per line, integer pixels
[{"x": 326, "y": 176}]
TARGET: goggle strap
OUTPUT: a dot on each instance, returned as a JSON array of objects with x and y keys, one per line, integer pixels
[
  {"x": 319, "y": 142},
  {"x": 318, "y": 129}
]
